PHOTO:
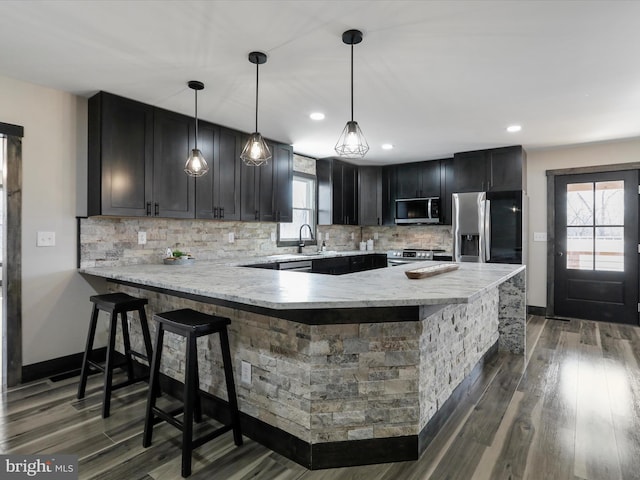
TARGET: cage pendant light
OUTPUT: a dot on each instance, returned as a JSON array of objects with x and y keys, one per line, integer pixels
[
  {"x": 256, "y": 152},
  {"x": 352, "y": 143},
  {"x": 196, "y": 165}
]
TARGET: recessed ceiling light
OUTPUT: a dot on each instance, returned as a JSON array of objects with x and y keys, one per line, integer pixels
[
  {"x": 514, "y": 128},
  {"x": 387, "y": 146},
  {"x": 317, "y": 116}
]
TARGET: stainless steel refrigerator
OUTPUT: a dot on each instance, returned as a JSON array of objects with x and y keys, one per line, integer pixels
[{"x": 489, "y": 227}]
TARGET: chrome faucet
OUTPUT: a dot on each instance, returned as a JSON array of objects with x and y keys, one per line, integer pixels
[{"x": 300, "y": 241}]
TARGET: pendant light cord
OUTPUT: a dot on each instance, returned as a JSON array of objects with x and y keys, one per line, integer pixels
[
  {"x": 352, "y": 82},
  {"x": 257, "y": 80},
  {"x": 196, "y": 142}
]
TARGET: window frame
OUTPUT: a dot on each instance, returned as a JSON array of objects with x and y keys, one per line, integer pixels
[{"x": 314, "y": 199}]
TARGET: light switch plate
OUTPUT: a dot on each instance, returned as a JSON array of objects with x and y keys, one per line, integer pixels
[
  {"x": 273, "y": 236},
  {"x": 326, "y": 236},
  {"x": 539, "y": 236},
  {"x": 142, "y": 238},
  {"x": 232, "y": 237},
  {"x": 46, "y": 239},
  {"x": 375, "y": 235}
]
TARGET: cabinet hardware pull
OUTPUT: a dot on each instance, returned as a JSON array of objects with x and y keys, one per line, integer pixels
[
  {"x": 256, "y": 215},
  {"x": 148, "y": 209},
  {"x": 221, "y": 212},
  {"x": 157, "y": 209}
]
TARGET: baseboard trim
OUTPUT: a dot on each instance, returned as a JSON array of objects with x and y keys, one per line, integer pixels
[
  {"x": 533, "y": 310},
  {"x": 57, "y": 366}
]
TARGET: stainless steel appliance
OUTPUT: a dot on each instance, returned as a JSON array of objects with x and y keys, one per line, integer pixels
[
  {"x": 412, "y": 255},
  {"x": 418, "y": 210},
  {"x": 489, "y": 227}
]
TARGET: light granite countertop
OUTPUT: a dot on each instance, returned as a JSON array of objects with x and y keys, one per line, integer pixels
[{"x": 227, "y": 280}]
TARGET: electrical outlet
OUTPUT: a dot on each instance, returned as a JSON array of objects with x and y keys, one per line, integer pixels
[
  {"x": 246, "y": 372},
  {"x": 232, "y": 237},
  {"x": 326, "y": 236},
  {"x": 142, "y": 238},
  {"x": 353, "y": 236},
  {"x": 375, "y": 235},
  {"x": 46, "y": 239},
  {"x": 539, "y": 236},
  {"x": 273, "y": 236}
]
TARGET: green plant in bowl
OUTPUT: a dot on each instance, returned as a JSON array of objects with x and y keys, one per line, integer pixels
[{"x": 178, "y": 254}]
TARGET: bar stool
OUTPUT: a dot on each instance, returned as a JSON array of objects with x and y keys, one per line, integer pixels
[
  {"x": 114, "y": 304},
  {"x": 191, "y": 325}
]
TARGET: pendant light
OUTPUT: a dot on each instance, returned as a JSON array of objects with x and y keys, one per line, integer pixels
[
  {"x": 352, "y": 143},
  {"x": 196, "y": 165},
  {"x": 256, "y": 152}
]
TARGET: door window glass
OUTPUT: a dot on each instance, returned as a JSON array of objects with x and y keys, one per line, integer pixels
[{"x": 595, "y": 226}]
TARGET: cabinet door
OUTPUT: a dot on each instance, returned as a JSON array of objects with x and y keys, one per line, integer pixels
[
  {"x": 249, "y": 191},
  {"x": 227, "y": 171},
  {"x": 206, "y": 185},
  {"x": 470, "y": 171},
  {"x": 408, "y": 180},
  {"x": 388, "y": 195},
  {"x": 173, "y": 190},
  {"x": 447, "y": 188},
  {"x": 350, "y": 193},
  {"x": 265, "y": 199},
  {"x": 337, "y": 194},
  {"x": 325, "y": 191},
  {"x": 120, "y": 162},
  {"x": 429, "y": 175},
  {"x": 283, "y": 182},
  {"x": 370, "y": 193},
  {"x": 505, "y": 169}
]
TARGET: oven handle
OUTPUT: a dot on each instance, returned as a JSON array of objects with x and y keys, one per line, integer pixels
[{"x": 396, "y": 262}]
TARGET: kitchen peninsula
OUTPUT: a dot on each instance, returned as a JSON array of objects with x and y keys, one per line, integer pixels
[{"x": 351, "y": 369}]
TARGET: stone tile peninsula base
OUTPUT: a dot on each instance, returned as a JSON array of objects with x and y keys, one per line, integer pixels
[{"x": 350, "y": 393}]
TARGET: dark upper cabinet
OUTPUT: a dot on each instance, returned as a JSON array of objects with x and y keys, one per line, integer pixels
[
  {"x": 388, "y": 195},
  {"x": 265, "y": 191},
  {"x": 283, "y": 182},
  {"x": 173, "y": 190},
  {"x": 416, "y": 180},
  {"x": 337, "y": 192},
  {"x": 447, "y": 185},
  {"x": 498, "y": 169},
  {"x": 218, "y": 191},
  {"x": 370, "y": 195},
  {"x": 120, "y": 156}
]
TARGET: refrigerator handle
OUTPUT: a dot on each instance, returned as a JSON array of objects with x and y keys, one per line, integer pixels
[{"x": 487, "y": 230}]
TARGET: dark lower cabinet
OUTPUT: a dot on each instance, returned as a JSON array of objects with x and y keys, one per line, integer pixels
[
  {"x": 218, "y": 192},
  {"x": 173, "y": 190},
  {"x": 350, "y": 264},
  {"x": 120, "y": 156}
]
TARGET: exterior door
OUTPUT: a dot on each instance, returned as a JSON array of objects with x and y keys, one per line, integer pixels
[{"x": 596, "y": 246}]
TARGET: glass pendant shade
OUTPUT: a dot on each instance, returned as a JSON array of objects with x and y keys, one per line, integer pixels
[
  {"x": 196, "y": 165},
  {"x": 352, "y": 143},
  {"x": 256, "y": 152}
]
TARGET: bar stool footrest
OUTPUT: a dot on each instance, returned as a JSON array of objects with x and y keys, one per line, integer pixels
[{"x": 210, "y": 436}]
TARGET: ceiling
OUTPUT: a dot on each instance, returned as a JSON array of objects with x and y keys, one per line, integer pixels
[{"x": 431, "y": 77}]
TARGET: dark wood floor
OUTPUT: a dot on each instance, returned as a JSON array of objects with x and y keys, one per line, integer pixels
[{"x": 574, "y": 413}]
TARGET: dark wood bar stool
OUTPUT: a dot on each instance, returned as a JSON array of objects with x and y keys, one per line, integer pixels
[
  {"x": 114, "y": 304},
  {"x": 191, "y": 325}
]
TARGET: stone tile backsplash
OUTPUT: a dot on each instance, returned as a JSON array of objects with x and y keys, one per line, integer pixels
[{"x": 112, "y": 241}]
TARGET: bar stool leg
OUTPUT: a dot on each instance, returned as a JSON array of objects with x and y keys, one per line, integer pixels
[
  {"x": 231, "y": 387},
  {"x": 189, "y": 391},
  {"x": 127, "y": 345},
  {"x": 84, "y": 372},
  {"x": 197, "y": 405},
  {"x": 154, "y": 384},
  {"x": 108, "y": 368}
]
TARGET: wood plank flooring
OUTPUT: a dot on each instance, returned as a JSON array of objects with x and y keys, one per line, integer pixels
[{"x": 569, "y": 409}]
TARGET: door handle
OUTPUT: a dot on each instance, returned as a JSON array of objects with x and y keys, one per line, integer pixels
[
  {"x": 148, "y": 209},
  {"x": 157, "y": 209},
  {"x": 221, "y": 212},
  {"x": 215, "y": 212}
]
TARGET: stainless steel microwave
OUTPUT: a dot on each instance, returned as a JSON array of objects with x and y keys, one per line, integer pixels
[{"x": 418, "y": 210}]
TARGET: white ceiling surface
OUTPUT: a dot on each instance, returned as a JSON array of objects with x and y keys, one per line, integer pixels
[{"x": 431, "y": 77}]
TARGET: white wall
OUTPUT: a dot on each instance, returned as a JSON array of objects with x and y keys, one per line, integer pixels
[
  {"x": 538, "y": 162},
  {"x": 55, "y": 298}
]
